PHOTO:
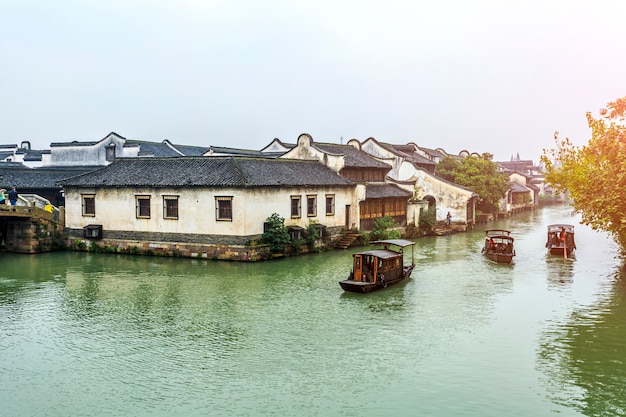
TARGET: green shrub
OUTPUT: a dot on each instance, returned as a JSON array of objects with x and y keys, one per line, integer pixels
[
  {"x": 384, "y": 228},
  {"x": 427, "y": 219},
  {"x": 276, "y": 235},
  {"x": 311, "y": 235}
]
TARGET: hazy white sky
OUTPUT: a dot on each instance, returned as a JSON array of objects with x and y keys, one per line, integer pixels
[{"x": 484, "y": 76}]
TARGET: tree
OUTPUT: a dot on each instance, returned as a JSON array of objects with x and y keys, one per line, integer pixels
[
  {"x": 478, "y": 173},
  {"x": 276, "y": 234},
  {"x": 595, "y": 174}
]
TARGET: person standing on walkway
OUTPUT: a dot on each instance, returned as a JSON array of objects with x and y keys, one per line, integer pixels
[
  {"x": 13, "y": 196},
  {"x": 448, "y": 220}
]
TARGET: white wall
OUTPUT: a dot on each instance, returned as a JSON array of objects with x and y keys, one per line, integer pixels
[{"x": 115, "y": 209}]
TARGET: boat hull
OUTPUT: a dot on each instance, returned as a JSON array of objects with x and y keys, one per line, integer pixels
[
  {"x": 558, "y": 250},
  {"x": 351, "y": 285},
  {"x": 501, "y": 258}
]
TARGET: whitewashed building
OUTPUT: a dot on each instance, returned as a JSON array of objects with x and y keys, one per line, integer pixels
[
  {"x": 414, "y": 172},
  {"x": 213, "y": 207}
]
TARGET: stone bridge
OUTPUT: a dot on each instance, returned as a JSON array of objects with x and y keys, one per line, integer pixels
[{"x": 31, "y": 229}]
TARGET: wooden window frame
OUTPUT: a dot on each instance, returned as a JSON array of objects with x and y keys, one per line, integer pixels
[
  {"x": 296, "y": 206},
  {"x": 223, "y": 213},
  {"x": 170, "y": 207},
  {"x": 88, "y": 203},
  {"x": 141, "y": 207},
  {"x": 330, "y": 204},
  {"x": 311, "y": 205}
]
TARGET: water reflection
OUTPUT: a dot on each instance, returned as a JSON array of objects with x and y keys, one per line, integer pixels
[
  {"x": 585, "y": 357},
  {"x": 96, "y": 334},
  {"x": 560, "y": 270}
]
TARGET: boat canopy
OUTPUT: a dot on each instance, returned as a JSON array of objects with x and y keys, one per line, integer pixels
[
  {"x": 379, "y": 253},
  {"x": 497, "y": 232},
  {"x": 558, "y": 226},
  {"x": 397, "y": 242},
  {"x": 499, "y": 235}
]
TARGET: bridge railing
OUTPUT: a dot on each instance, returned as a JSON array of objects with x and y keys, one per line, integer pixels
[{"x": 29, "y": 205}]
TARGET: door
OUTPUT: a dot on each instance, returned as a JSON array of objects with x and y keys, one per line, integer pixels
[
  {"x": 347, "y": 225},
  {"x": 358, "y": 268}
]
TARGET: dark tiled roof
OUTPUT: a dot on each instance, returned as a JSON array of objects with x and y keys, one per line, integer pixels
[
  {"x": 165, "y": 149},
  {"x": 24, "y": 177},
  {"x": 189, "y": 150},
  {"x": 84, "y": 143},
  {"x": 237, "y": 172},
  {"x": 73, "y": 143},
  {"x": 355, "y": 158},
  {"x": 432, "y": 152},
  {"x": 238, "y": 152},
  {"x": 407, "y": 152},
  {"x": 518, "y": 188},
  {"x": 382, "y": 190},
  {"x": 160, "y": 150},
  {"x": 33, "y": 155}
]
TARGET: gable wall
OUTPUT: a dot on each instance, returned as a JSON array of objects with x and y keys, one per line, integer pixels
[
  {"x": 85, "y": 155},
  {"x": 305, "y": 151}
]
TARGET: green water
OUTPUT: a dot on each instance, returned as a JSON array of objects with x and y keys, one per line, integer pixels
[{"x": 111, "y": 335}]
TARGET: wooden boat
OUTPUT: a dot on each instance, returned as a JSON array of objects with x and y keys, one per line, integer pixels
[
  {"x": 378, "y": 268},
  {"x": 561, "y": 239},
  {"x": 499, "y": 246}
]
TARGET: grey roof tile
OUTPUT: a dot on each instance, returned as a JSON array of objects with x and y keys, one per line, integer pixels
[
  {"x": 13, "y": 173},
  {"x": 381, "y": 190},
  {"x": 237, "y": 172},
  {"x": 354, "y": 157}
]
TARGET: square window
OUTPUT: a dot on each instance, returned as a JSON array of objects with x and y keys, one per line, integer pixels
[
  {"x": 142, "y": 206},
  {"x": 89, "y": 204},
  {"x": 295, "y": 206},
  {"x": 170, "y": 207},
  {"x": 224, "y": 208},
  {"x": 311, "y": 205}
]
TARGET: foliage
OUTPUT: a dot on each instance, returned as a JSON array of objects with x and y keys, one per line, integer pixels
[
  {"x": 384, "y": 228},
  {"x": 296, "y": 245},
  {"x": 428, "y": 219},
  {"x": 411, "y": 231},
  {"x": 595, "y": 174},
  {"x": 276, "y": 235},
  {"x": 480, "y": 174},
  {"x": 311, "y": 234}
]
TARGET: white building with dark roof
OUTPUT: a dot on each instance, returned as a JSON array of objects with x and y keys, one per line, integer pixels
[
  {"x": 214, "y": 207},
  {"x": 415, "y": 173},
  {"x": 381, "y": 198}
]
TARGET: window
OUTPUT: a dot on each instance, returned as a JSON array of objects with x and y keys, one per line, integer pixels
[
  {"x": 89, "y": 204},
  {"x": 311, "y": 205},
  {"x": 170, "y": 207},
  {"x": 142, "y": 206},
  {"x": 224, "y": 208},
  {"x": 330, "y": 204},
  {"x": 295, "y": 206},
  {"x": 110, "y": 152}
]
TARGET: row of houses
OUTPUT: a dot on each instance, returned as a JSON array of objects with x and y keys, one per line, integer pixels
[{"x": 215, "y": 201}]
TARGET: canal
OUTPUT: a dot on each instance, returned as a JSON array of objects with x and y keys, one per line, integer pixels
[{"x": 112, "y": 335}]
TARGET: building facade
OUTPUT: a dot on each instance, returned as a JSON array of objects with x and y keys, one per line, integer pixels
[{"x": 216, "y": 207}]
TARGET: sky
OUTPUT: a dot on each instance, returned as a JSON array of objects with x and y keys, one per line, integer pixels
[{"x": 482, "y": 76}]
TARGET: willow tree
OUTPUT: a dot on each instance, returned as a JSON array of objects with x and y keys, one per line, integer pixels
[
  {"x": 595, "y": 174},
  {"x": 478, "y": 173}
]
